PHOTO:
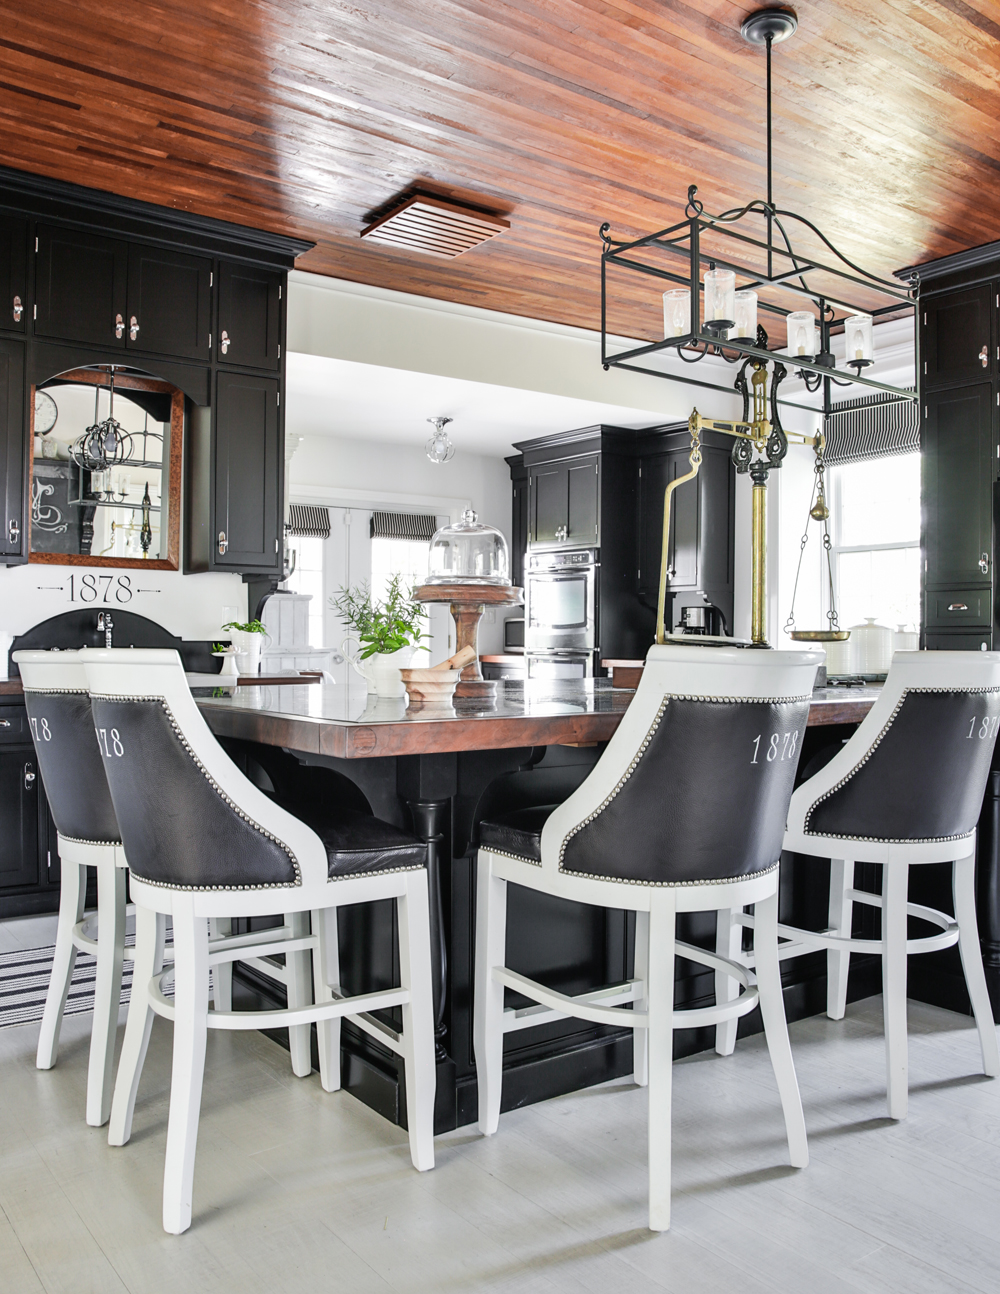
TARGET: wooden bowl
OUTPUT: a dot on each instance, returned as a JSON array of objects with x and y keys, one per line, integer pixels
[{"x": 430, "y": 687}]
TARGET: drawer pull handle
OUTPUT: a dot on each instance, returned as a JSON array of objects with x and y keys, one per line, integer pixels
[
  {"x": 958, "y": 606},
  {"x": 4, "y": 723}
]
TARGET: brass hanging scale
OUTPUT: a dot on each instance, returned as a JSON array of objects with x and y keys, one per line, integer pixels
[{"x": 818, "y": 511}]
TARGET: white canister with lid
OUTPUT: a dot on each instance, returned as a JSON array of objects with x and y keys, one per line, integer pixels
[
  {"x": 905, "y": 639},
  {"x": 838, "y": 658},
  {"x": 871, "y": 648}
]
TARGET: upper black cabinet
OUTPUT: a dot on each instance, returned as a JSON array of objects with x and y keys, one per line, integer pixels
[
  {"x": 12, "y": 446},
  {"x": 13, "y": 276},
  {"x": 81, "y": 287},
  {"x": 957, "y": 338},
  {"x": 247, "y": 474},
  {"x": 169, "y": 302},
  {"x": 564, "y": 502},
  {"x": 957, "y": 491},
  {"x": 249, "y": 317}
]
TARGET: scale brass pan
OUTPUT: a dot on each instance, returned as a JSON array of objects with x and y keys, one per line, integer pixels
[{"x": 820, "y": 635}]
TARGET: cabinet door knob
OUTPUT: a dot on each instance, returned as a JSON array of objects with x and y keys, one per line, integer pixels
[
  {"x": 29, "y": 777},
  {"x": 984, "y": 563},
  {"x": 223, "y": 542},
  {"x": 225, "y": 342},
  {"x": 561, "y": 534},
  {"x": 18, "y": 309},
  {"x": 119, "y": 326},
  {"x": 984, "y": 358},
  {"x": 133, "y": 328},
  {"x": 13, "y": 531}
]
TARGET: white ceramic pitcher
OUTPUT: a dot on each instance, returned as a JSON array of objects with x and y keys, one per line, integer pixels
[{"x": 381, "y": 671}]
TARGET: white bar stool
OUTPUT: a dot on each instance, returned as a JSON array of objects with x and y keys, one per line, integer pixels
[
  {"x": 204, "y": 843},
  {"x": 684, "y": 812},
  {"x": 62, "y": 728},
  {"x": 907, "y": 788}
]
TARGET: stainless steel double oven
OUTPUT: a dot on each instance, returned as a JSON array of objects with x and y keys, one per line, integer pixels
[{"x": 560, "y": 613}]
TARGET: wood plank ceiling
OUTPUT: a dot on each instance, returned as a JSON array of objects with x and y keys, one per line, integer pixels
[{"x": 308, "y": 117}]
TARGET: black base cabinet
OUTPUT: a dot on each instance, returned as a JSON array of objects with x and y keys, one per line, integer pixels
[{"x": 29, "y": 855}]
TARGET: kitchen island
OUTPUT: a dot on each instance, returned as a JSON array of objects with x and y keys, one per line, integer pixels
[{"x": 438, "y": 774}]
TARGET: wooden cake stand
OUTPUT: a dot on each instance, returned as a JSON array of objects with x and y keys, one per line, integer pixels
[{"x": 468, "y": 602}]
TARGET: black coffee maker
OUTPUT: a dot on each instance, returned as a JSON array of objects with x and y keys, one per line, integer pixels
[{"x": 703, "y": 618}]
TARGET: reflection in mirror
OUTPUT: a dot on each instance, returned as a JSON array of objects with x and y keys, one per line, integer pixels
[{"x": 100, "y": 480}]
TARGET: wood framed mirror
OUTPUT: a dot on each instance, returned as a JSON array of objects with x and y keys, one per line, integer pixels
[{"x": 105, "y": 486}]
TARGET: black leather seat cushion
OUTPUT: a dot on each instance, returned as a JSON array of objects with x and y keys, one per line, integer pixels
[
  {"x": 356, "y": 843},
  {"x": 518, "y": 833}
]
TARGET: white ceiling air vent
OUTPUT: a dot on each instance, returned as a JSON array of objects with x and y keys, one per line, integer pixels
[{"x": 434, "y": 227}]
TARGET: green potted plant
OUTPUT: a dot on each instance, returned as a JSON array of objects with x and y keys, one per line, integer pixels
[
  {"x": 387, "y": 633},
  {"x": 248, "y": 639}
]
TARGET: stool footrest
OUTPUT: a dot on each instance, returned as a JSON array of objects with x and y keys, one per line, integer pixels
[{"x": 799, "y": 941}]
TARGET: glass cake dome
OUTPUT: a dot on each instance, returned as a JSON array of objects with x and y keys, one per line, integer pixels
[{"x": 468, "y": 553}]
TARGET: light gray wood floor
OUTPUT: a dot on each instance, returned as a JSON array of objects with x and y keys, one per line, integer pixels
[{"x": 296, "y": 1189}]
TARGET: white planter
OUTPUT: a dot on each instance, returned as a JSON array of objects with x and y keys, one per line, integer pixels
[
  {"x": 248, "y": 648},
  {"x": 381, "y": 671}
]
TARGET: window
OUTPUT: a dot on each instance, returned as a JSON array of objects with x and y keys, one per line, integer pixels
[
  {"x": 875, "y": 529},
  {"x": 307, "y": 577}
]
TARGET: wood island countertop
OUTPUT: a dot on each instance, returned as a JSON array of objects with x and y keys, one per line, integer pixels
[{"x": 348, "y": 724}]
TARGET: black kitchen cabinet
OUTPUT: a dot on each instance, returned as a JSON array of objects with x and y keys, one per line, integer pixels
[
  {"x": 957, "y": 497},
  {"x": 700, "y": 551},
  {"x": 518, "y": 519},
  {"x": 81, "y": 287},
  {"x": 247, "y": 474},
  {"x": 13, "y": 274},
  {"x": 12, "y": 446},
  {"x": 19, "y": 790},
  {"x": 958, "y": 337},
  {"x": 564, "y": 502},
  {"x": 169, "y": 302},
  {"x": 249, "y": 316}
]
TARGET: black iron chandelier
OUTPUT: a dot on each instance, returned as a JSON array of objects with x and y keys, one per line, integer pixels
[{"x": 742, "y": 263}]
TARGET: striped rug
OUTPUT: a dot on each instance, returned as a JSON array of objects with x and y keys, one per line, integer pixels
[{"x": 24, "y": 981}]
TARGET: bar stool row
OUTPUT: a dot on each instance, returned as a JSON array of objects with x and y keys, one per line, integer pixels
[{"x": 687, "y": 810}]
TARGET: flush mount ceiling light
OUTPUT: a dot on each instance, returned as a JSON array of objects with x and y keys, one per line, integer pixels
[
  {"x": 439, "y": 448},
  {"x": 434, "y": 226},
  {"x": 742, "y": 262}
]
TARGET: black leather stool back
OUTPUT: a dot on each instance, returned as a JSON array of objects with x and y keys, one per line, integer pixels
[
  {"x": 705, "y": 798},
  {"x": 62, "y": 729},
  {"x": 925, "y": 776},
  {"x": 178, "y": 827}
]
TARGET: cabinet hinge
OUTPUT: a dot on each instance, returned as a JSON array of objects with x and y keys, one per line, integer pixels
[
  {"x": 211, "y": 278},
  {"x": 275, "y": 545},
  {"x": 34, "y": 311},
  {"x": 209, "y": 341},
  {"x": 925, "y": 368},
  {"x": 279, "y": 291},
  {"x": 925, "y": 317},
  {"x": 279, "y": 350},
  {"x": 925, "y": 410},
  {"x": 278, "y": 398},
  {"x": 36, "y": 242}
]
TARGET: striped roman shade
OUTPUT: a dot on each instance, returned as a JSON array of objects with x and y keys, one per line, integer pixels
[
  {"x": 403, "y": 525},
  {"x": 874, "y": 426},
  {"x": 308, "y": 522}
]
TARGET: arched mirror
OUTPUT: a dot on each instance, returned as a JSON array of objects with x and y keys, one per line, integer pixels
[{"x": 106, "y": 470}]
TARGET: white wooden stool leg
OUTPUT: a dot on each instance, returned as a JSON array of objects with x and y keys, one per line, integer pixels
[
  {"x": 418, "y": 1017},
  {"x": 894, "y": 888},
  {"x": 150, "y": 930},
  {"x": 222, "y": 974},
  {"x": 72, "y": 893},
  {"x": 841, "y": 918},
  {"x": 188, "y": 1071},
  {"x": 729, "y": 944},
  {"x": 772, "y": 1009},
  {"x": 107, "y": 990},
  {"x": 326, "y": 977},
  {"x": 487, "y": 1032},
  {"x": 640, "y": 1037},
  {"x": 298, "y": 982},
  {"x": 660, "y": 1007},
  {"x": 964, "y": 881}
]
